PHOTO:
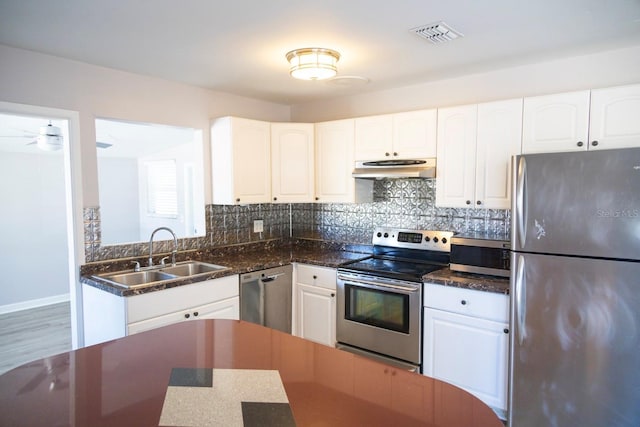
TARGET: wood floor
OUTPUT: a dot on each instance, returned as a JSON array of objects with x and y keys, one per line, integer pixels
[{"x": 33, "y": 334}]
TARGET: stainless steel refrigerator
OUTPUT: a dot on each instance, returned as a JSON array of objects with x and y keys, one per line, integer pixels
[{"x": 575, "y": 290}]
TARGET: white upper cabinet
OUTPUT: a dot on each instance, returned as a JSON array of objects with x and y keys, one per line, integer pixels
[
  {"x": 587, "y": 120},
  {"x": 615, "y": 118},
  {"x": 408, "y": 135},
  {"x": 557, "y": 122},
  {"x": 373, "y": 137},
  {"x": 475, "y": 145},
  {"x": 241, "y": 161},
  {"x": 292, "y": 162},
  {"x": 499, "y": 138},
  {"x": 456, "y": 159},
  {"x": 415, "y": 133},
  {"x": 334, "y": 144}
]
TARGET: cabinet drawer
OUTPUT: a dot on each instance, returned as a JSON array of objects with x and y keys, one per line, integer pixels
[
  {"x": 486, "y": 305},
  {"x": 316, "y": 276},
  {"x": 146, "y": 306}
]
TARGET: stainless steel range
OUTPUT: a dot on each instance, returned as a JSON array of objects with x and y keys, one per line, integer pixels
[{"x": 380, "y": 298}]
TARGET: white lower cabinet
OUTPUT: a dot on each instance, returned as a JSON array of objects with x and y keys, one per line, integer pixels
[
  {"x": 466, "y": 337},
  {"x": 226, "y": 309},
  {"x": 108, "y": 316},
  {"x": 314, "y": 310}
]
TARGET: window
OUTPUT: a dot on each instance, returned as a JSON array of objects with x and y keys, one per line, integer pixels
[{"x": 162, "y": 200}]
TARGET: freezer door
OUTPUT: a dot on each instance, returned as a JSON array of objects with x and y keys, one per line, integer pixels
[
  {"x": 575, "y": 342},
  {"x": 584, "y": 203}
]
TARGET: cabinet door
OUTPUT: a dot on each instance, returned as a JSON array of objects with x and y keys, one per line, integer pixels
[
  {"x": 455, "y": 170},
  {"x": 614, "y": 117},
  {"x": 335, "y": 161},
  {"x": 374, "y": 137},
  {"x": 292, "y": 163},
  {"x": 241, "y": 161},
  {"x": 226, "y": 309},
  {"x": 499, "y": 138},
  {"x": 316, "y": 314},
  {"x": 251, "y": 161},
  {"x": 180, "y": 298},
  {"x": 414, "y": 134},
  {"x": 450, "y": 339},
  {"x": 555, "y": 123}
]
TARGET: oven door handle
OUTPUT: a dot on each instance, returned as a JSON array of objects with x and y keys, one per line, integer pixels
[{"x": 386, "y": 286}]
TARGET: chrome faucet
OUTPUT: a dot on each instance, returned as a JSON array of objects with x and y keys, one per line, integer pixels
[{"x": 173, "y": 252}]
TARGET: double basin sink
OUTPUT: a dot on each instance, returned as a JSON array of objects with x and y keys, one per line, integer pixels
[{"x": 136, "y": 279}]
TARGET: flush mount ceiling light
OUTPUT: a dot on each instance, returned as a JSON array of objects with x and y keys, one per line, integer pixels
[{"x": 313, "y": 63}]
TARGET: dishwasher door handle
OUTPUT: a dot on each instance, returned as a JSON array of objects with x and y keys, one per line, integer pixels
[{"x": 271, "y": 278}]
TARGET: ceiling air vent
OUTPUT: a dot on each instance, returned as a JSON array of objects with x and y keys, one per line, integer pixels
[{"x": 438, "y": 32}]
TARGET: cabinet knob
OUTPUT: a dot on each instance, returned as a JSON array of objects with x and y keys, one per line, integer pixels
[
  {"x": 275, "y": 198},
  {"x": 317, "y": 198},
  {"x": 468, "y": 202},
  {"x": 386, "y": 154},
  {"x": 463, "y": 302},
  {"x": 333, "y": 295},
  {"x": 315, "y": 277},
  {"x": 479, "y": 202},
  {"x": 395, "y": 154},
  {"x": 505, "y": 330},
  {"x": 580, "y": 144},
  {"x": 594, "y": 143},
  {"x": 237, "y": 200},
  {"x": 195, "y": 313},
  {"x": 187, "y": 315}
]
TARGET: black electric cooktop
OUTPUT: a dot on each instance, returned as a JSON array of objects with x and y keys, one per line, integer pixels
[{"x": 399, "y": 269}]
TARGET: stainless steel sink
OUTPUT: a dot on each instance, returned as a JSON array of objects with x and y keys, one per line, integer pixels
[
  {"x": 138, "y": 278},
  {"x": 135, "y": 279},
  {"x": 192, "y": 268}
]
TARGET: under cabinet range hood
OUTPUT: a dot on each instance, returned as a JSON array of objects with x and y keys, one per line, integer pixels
[{"x": 389, "y": 169}]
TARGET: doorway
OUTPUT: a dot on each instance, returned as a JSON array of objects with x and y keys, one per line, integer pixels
[{"x": 41, "y": 222}]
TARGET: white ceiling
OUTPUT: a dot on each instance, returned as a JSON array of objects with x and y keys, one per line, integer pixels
[{"x": 239, "y": 46}]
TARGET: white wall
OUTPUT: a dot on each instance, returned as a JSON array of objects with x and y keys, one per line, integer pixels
[
  {"x": 611, "y": 68},
  {"x": 119, "y": 200},
  {"x": 36, "y": 79},
  {"x": 33, "y": 235}
]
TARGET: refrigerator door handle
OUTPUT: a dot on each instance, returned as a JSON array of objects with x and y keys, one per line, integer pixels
[
  {"x": 521, "y": 205},
  {"x": 521, "y": 299}
]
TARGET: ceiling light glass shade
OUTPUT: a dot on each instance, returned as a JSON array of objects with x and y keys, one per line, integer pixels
[{"x": 313, "y": 63}]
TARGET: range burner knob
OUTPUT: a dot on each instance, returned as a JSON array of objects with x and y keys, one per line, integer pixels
[
  {"x": 435, "y": 240},
  {"x": 444, "y": 240},
  {"x": 427, "y": 238},
  {"x": 379, "y": 234},
  {"x": 386, "y": 235}
]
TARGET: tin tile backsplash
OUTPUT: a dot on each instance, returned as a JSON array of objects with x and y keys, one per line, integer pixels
[{"x": 406, "y": 203}]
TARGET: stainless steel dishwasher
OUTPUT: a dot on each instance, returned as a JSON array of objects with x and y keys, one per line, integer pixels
[{"x": 265, "y": 297}]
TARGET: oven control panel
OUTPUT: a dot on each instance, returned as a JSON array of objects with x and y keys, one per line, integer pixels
[{"x": 413, "y": 239}]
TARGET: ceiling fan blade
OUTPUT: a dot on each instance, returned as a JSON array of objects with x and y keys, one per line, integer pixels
[{"x": 103, "y": 144}]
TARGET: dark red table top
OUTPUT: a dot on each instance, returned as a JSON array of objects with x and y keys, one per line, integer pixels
[{"x": 124, "y": 382}]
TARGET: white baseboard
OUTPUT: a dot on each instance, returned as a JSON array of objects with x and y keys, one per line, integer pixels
[{"x": 10, "y": 308}]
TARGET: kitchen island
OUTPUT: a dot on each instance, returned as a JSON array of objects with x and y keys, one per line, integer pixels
[{"x": 203, "y": 371}]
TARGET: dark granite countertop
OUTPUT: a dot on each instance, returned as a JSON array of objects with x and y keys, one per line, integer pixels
[
  {"x": 478, "y": 282},
  {"x": 262, "y": 256},
  {"x": 239, "y": 261}
]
